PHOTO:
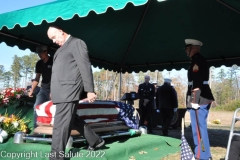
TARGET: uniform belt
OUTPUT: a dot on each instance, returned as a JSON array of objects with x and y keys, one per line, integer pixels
[{"x": 204, "y": 82}]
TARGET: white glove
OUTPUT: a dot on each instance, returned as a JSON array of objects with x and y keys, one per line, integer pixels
[
  {"x": 146, "y": 101},
  {"x": 175, "y": 110},
  {"x": 195, "y": 105},
  {"x": 157, "y": 110}
]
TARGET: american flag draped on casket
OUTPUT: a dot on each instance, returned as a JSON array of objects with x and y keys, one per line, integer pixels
[{"x": 99, "y": 111}]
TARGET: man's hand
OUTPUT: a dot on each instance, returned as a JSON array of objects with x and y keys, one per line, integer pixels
[
  {"x": 30, "y": 93},
  {"x": 145, "y": 101},
  {"x": 175, "y": 110},
  {"x": 195, "y": 105},
  {"x": 196, "y": 89},
  {"x": 91, "y": 97}
]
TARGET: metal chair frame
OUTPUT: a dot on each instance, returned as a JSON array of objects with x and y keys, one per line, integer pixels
[{"x": 232, "y": 133}]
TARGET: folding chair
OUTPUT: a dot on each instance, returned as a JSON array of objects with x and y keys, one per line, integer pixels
[{"x": 232, "y": 133}]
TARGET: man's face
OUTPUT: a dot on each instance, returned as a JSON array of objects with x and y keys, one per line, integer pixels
[
  {"x": 192, "y": 50},
  {"x": 188, "y": 50},
  {"x": 43, "y": 55},
  {"x": 147, "y": 79},
  {"x": 56, "y": 35}
]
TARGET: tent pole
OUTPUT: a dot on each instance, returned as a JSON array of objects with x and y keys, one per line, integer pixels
[
  {"x": 120, "y": 85},
  {"x": 230, "y": 7},
  {"x": 136, "y": 32},
  {"x": 181, "y": 62},
  {"x": 24, "y": 39}
]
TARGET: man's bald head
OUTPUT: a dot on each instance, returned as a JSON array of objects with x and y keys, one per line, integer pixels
[
  {"x": 57, "y": 35},
  {"x": 147, "y": 78}
]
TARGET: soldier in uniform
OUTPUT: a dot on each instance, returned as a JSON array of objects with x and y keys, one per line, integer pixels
[
  {"x": 167, "y": 102},
  {"x": 199, "y": 98},
  {"x": 146, "y": 93}
]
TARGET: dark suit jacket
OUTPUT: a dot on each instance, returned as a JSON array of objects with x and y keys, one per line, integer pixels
[
  {"x": 146, "y": 92},
  {"x": 166, "y": 97},
  {"x": 71, "y": 72}
]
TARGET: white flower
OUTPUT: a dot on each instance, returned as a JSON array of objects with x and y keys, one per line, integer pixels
[
  {"x": 1, "y": 139},
  {"x": 1, "y": 119},
  {"x": 4, "y": 134},
  {"x": 4, "y": 91},
  {"x": 15, "y": 124}
]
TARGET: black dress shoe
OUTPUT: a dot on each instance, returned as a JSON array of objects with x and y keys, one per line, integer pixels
[{"x": 98, "y": 144}]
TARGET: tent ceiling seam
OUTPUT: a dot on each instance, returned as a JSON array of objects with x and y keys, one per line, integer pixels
[
  {"x": 228, "y": 6},
  {"x": 180, "y": 62},
  {"x": 135, "y": 34}
]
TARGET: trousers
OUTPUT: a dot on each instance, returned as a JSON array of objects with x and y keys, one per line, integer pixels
[
  {"x": 42, "y": 96},
  {"x": 166, "y": 116},
  {"x": 146, "y": 115},
  {"x": 65, "y": 120},
  {"x": 200, "y": 132}
]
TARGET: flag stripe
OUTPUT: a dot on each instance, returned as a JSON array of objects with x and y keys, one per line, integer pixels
[{"x": 110, "y": 110}]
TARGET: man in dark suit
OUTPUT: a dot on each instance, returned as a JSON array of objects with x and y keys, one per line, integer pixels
[
  {"x": 71, "y": 76},
  {"x": 166, "y": 101},
  {"x": 146, "y": 93}
]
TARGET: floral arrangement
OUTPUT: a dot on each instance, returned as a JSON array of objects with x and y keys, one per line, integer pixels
[
  {"x": 12, "y": 124},
  {"x": 13, "y": 97}
]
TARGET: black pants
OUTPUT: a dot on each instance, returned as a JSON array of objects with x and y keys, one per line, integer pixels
[
  {"x": 234, "y": 153},
  {"x": 65, "y": 120},
  {"x": 166, "y": 116},
  {"x": 146, "y": 115}
]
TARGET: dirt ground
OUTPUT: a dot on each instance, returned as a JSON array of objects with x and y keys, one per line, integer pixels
[{"x": 218, "y": 133}]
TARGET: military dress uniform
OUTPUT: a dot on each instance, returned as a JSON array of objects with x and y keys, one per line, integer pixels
[
  {"x": 198, "y": 76},
  {"x": 167, "y": 102},
  {"x": 146, "y": 91}
]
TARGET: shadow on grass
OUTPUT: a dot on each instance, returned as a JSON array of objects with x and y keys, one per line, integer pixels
[{"x": 218, "y": 135}]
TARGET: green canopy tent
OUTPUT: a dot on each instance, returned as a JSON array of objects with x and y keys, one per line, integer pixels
[{"x": 133, "y": 35}]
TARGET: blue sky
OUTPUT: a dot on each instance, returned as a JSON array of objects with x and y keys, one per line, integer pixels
[
  {"x": 12, "y": 5},
  {"x": 7, "y": 53}
]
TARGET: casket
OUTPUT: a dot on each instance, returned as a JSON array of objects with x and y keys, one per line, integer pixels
[{"x": 102, "y": 116}]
